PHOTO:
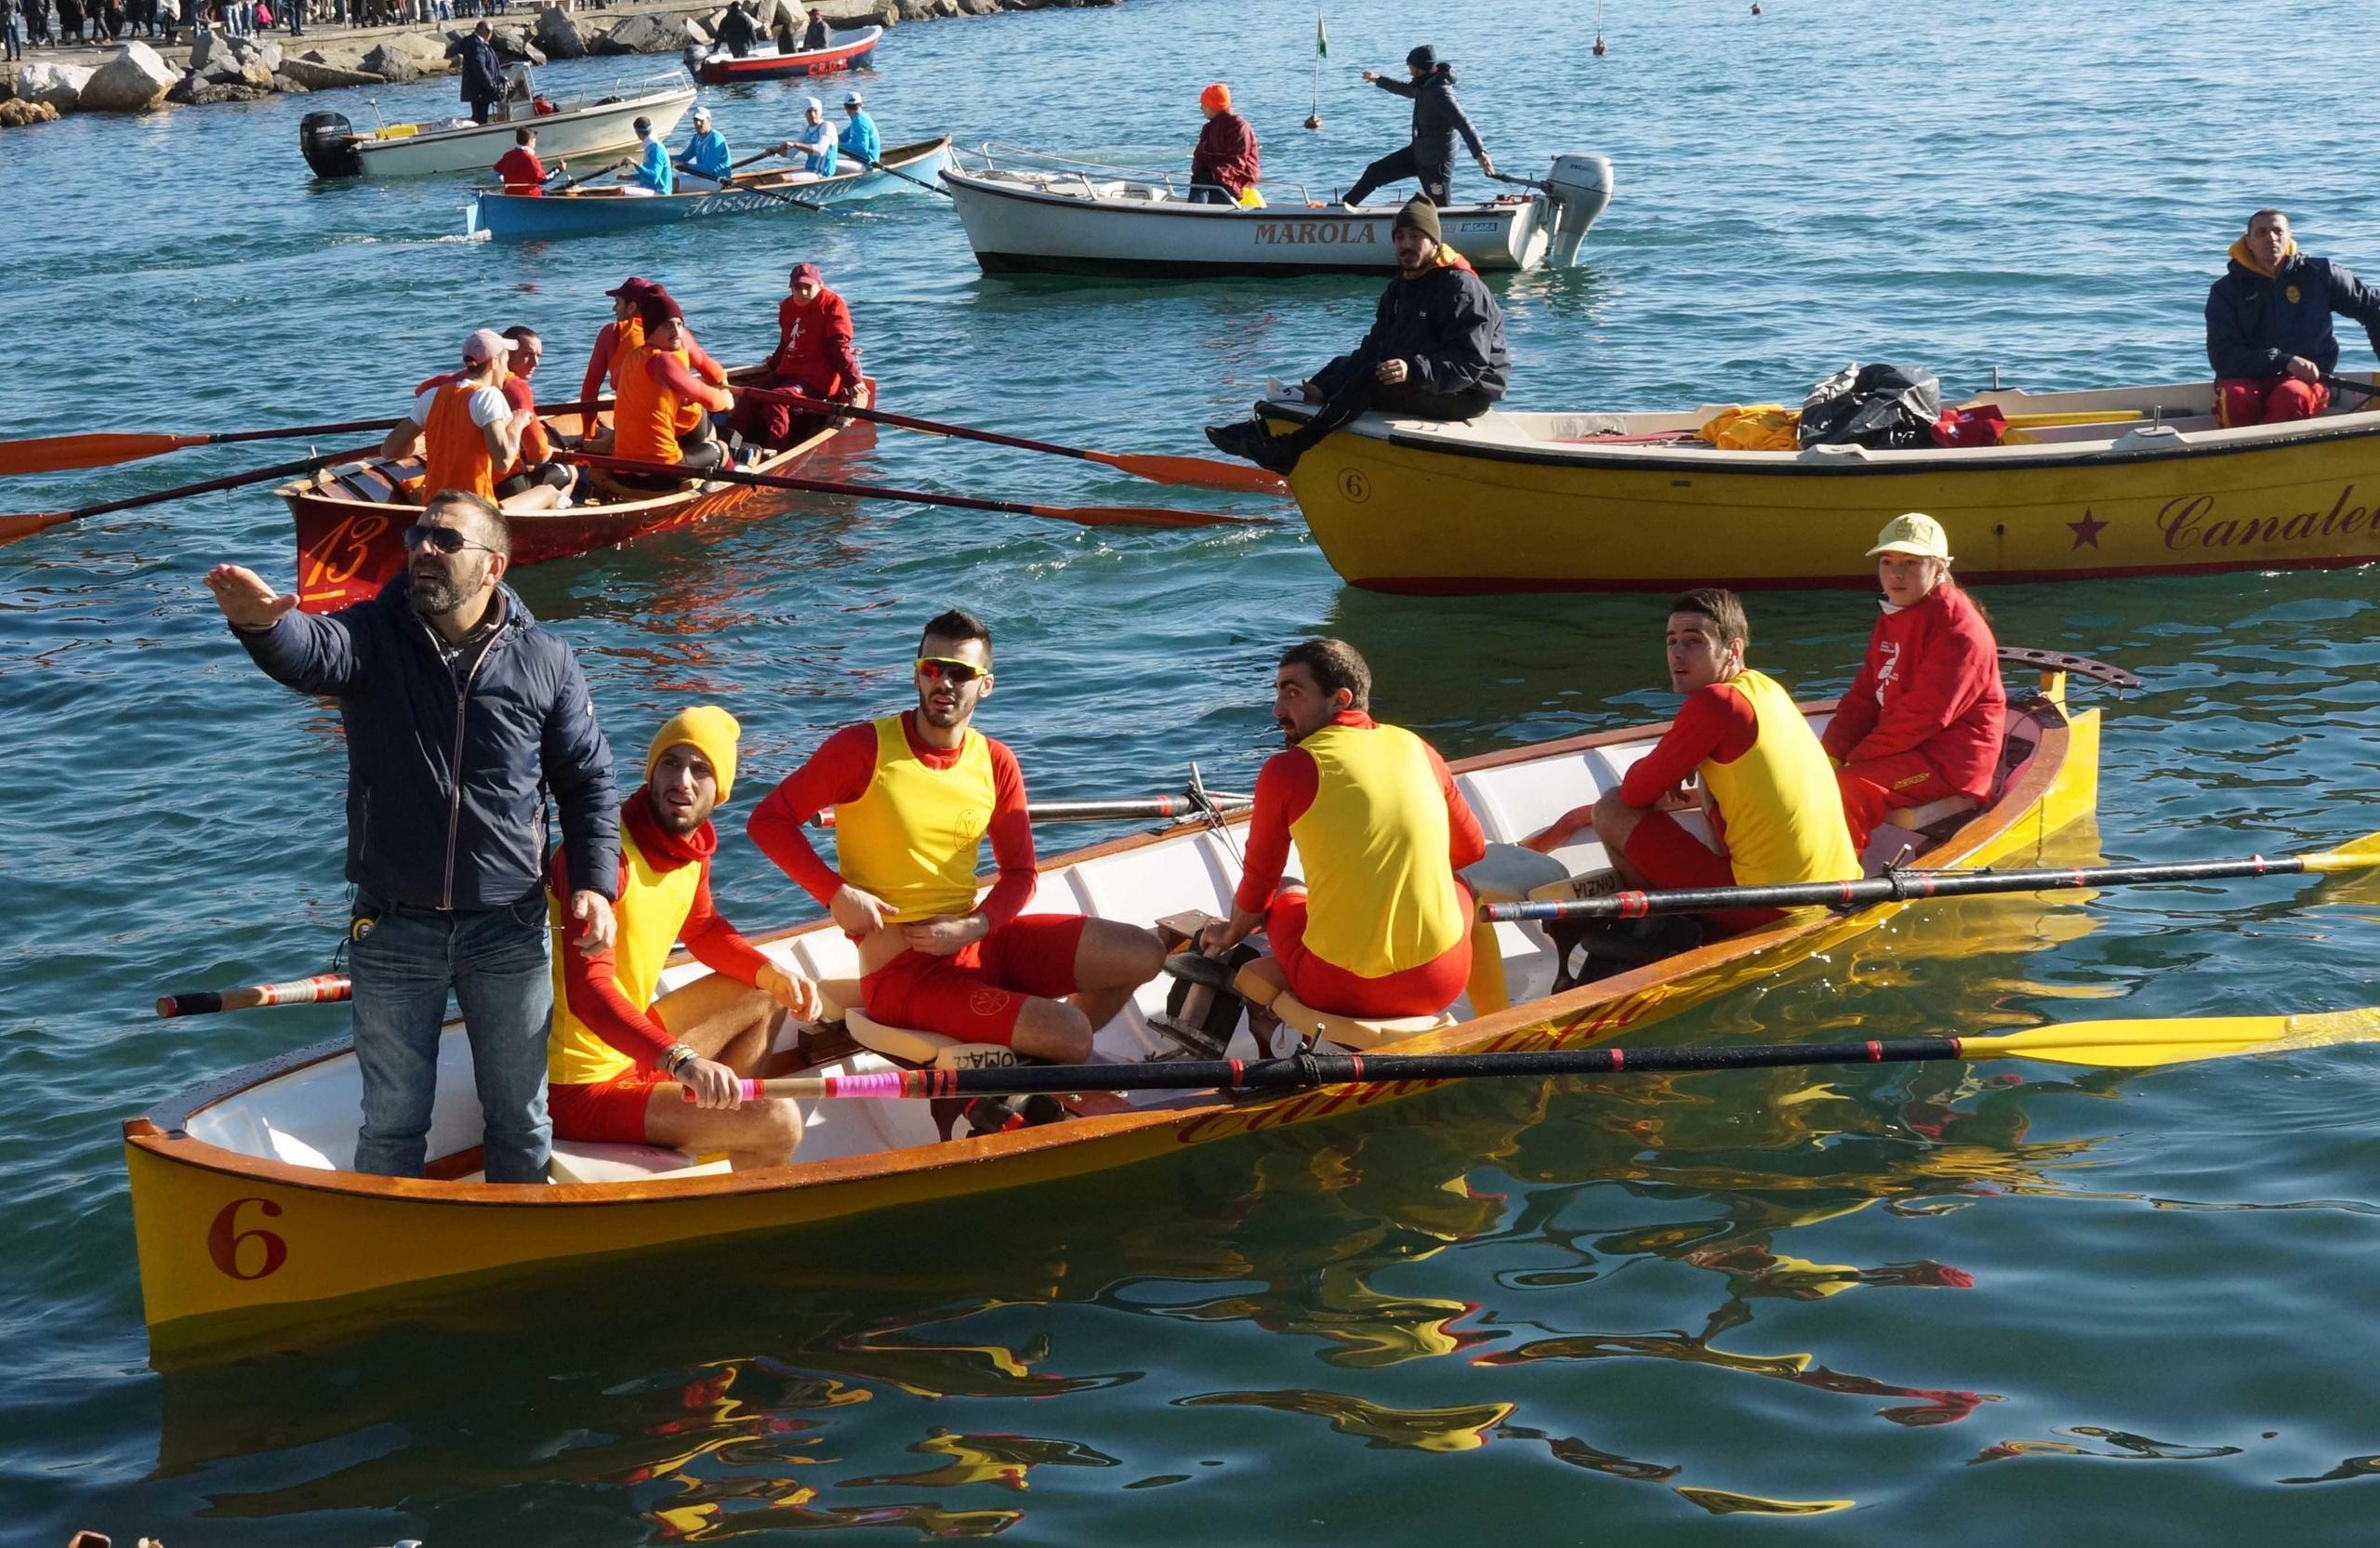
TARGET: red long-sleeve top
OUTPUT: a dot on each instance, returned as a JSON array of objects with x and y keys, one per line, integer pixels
[
  {"x": 815, "y": 345},
  {"x": 1930, "y": 686},
  {"x": 1286, "y": 787},
  {"x": 589, "y": 981},
  {"x": 607, "y": 344},
  {"x": 841, "y": 771},
  {"x": 1226, "y": 154},
  {"x": 534, "y": 447},
  {"x": 1716, "y": 723}
]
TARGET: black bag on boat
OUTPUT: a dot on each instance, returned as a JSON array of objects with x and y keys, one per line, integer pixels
[{"x": 1884, "y": 408}]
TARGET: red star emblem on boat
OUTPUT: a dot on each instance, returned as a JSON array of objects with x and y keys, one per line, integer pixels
[{"x": 2087, "y": 531}]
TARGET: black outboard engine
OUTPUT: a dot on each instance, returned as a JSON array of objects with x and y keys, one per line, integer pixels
[{"x": 328, "y": 141}]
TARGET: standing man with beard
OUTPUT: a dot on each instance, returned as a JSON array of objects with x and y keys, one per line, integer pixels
[
  {"x": 1380, "y": 927},
  {"x": 1437, "y": 119},
  {"x": 1435, "y": 351},
  {"x": 915, "y": 794},
  {"x": 461, "y": 712}
]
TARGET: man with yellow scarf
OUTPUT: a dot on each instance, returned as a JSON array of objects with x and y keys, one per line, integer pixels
[{"x": 2269, "y": 327}]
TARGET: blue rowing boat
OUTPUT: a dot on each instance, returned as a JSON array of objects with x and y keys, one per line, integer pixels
[{"x": 608, "y": 207}]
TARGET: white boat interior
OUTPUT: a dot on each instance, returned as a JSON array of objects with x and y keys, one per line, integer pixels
[{"x": 307, "y": 1116}]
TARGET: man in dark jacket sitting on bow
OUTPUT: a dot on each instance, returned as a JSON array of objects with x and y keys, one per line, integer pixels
[
  {"x": 2269, "y": 327},
  {"x": 1435, "y": 351}
]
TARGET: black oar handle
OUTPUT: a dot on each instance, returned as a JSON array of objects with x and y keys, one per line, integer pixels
[
  {"x": 880, "y": 167},
  {"x": 1891, "y": 887},
  {"x": 2365, "y": 388},
  {"x": 229, "y": 481},
  {"x": 911, "y": 421}
]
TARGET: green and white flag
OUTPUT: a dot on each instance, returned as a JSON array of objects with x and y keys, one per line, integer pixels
[{"x": 1321, "y": 36}]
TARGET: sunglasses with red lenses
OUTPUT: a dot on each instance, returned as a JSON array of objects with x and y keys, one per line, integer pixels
[{"x": 959, "y": 674}]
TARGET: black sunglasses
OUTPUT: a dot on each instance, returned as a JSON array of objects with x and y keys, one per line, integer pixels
[{"x": 445, "y": 539}]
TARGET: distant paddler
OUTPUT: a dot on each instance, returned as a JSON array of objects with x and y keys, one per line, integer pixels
[
  {"x": 520, "y": 170},
  {"x": 1923, "y": 719},
  {"x": 666, "y": 388},
  {"x": 813, "y": 357},
  {"x": 468, "y": 431},
  {"x": 1435, "y": 351},
  {"x": 859, "y": 139},
  {"x": 2268, "y": 332},
  {"x": 1226, "y": 166},
  {"x": 812, "y": 150},
  {"x": 1437, "y": 119},
  {"x": 1768, "y": 791},
  {"x": 1380, "y": 926},
  {"x": 617, "y": 1043},
  {"x": 648, "y": 172},
  {"x": 703, "y": 166}
]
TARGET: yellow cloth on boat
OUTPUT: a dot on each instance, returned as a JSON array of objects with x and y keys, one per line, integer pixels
[
  {"x": 1250, "y": 198},
  {"x": 1760, "y": 428}
]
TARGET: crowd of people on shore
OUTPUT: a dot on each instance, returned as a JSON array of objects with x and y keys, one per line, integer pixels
[{"x": 103, "y": 23}]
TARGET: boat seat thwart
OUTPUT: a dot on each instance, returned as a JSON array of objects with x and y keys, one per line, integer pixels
[
  {"x": 1357, "y": 1033},
  {"x": 903, "y": 1044},
  {"x": 585, "y": 1161}
]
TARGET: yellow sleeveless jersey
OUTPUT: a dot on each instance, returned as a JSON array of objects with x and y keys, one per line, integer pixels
[
  {"x": 1782, "y": 808},
  {"x": 1380, "y": 888},
  {"x": 913, "y": 837},
  {"x": 651, "y": 909}
]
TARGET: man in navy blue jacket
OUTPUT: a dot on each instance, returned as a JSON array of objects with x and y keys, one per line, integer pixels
[
  {"x": 2269, "y": 327},
  {"x": 460, "y": 713},
  {"x": 1437, "y": 119}
]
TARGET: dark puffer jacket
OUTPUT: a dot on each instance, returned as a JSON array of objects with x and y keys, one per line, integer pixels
[
  {"x": 1446, "y": 327},
  {"x": 1438, "y": 117},
  {"x": 2254, "y": 323},
  {"x": 416, "y": 834}
]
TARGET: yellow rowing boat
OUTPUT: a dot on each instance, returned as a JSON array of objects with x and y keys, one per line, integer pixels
[
  {"x": 2131, "y": 480},
  {"x": 252, "y": 1234}
]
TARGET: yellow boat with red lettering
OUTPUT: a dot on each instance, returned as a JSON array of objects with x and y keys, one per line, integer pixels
[
  {"x": 253, "y": 1234},
  {"x": 2135, "y": 481}
]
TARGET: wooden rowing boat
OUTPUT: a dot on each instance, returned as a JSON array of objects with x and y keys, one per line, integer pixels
[
  {"x": 609, "y": 207},
  {"x": 843, "y": 51},
  {"x": 2137, "y": 481},
  {"x": 249, "y": 1232},
  {"x": 350, "y": 517}
]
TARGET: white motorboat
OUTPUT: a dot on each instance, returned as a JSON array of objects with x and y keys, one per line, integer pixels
[
  {"x": 574, "y": 130},
  {"x": 1026, "y": 212}
]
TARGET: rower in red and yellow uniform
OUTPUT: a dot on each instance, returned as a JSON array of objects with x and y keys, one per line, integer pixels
[
  {"x": 1768, "y": 791},
  {"x": 914, "y": 796},
  {"x": 664, "y": 393},
  {"x": 462, "y": 424},
  {"x": 1381, "y": 927},
  {"x": 617, "y": 1054}
]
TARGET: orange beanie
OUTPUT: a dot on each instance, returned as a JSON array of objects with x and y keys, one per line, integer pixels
[{"x": 1217, "y": 97}]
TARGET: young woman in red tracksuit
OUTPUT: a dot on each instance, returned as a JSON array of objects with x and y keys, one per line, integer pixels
[{"x": 1923, "y": 719}]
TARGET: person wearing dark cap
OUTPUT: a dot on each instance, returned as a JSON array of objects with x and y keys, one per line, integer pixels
[
  {"x": 1435, "y": 351},
  {"x": 813, "y": 357},
  {"x": 817, "y": 34},
  {"x": 1437, "y": 118},
  {"x": 624, "y": 329},
  {"x": 664, "y": 391}
]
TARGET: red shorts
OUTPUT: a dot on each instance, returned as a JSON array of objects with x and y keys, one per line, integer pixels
[
  {"x": 1666, "y": 855},
  {"x": 1325, "y": 986},
  {"x": 611, "y": 1112},
  {"x": 975, "y": 994}
]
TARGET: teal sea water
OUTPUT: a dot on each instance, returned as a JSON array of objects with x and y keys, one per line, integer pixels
[{"x": 1955, "y": 1305}]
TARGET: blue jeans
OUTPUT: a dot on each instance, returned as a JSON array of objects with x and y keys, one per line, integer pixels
[{"x": 494, "y": 961}]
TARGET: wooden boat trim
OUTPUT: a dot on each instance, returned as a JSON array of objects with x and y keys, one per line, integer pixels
[{"x": 1590, "y": 1008}]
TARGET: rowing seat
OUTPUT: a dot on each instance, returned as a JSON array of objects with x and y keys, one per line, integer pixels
[
  {"x": 586, "y": 1161},
  {"x": 906, "y": 1045},
  {"x": 1361, "y": 1034},
  {"x": 1933, "y": 815}
]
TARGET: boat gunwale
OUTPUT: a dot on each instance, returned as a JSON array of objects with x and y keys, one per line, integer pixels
[
  {"x": 976, "y": 183},
  {"x": 159, "y": 1129}
]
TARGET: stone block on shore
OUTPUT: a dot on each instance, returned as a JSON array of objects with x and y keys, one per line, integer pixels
[
  {"x": 392, "y": 64},
  {"x": 133, "y": 79},
  {"x": 314, "y": 75},
  {"x": 17, "y": 112},
  {"x": 60, "y": 86},
  {"x": 650, "y": 33},
  {"x": 559, "y": 35},
  {"x": 199, "y": 91}
]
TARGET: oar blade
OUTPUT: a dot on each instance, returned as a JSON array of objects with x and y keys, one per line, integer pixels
[
  {"x": 1143, "y": 516},
  {"x": 2178, "y": 1040},
  {"x": 14, "y": 527},
  {"x": 1199, "y": 472},
  {"x": 59, "y": 454},
  {"x": 2361, "y": 855}
]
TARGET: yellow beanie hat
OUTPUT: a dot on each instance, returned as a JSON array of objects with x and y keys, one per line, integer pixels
[{"x": 709, "y": 731}]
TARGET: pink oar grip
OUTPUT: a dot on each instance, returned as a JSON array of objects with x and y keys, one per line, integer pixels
[{"x": 880, "y": 1082}]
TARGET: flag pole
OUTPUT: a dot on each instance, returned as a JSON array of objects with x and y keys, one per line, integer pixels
[{"x": 1321, "y": 52}]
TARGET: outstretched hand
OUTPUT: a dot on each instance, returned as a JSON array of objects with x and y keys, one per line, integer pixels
[
  {"x": 597, "y": 929},
  {"x": 247, "y": 597}
]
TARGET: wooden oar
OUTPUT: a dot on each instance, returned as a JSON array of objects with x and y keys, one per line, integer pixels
[
  {"x": 1086, "y": 515},
  {"x": 14, "y": 527},
  {"x": 1200, "y": 471},
  {"x": 321, "y": 989},
  {"x": 57, "y": 454},
  {"x": 1911, "y": 886},
  {"x": 782, "y": 198},
  {"x": 881, "y": 166},
  {"x": 2145, "y": 1044}
]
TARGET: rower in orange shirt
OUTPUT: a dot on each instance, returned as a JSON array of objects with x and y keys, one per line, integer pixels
[
  {"x": 1768, "y": 791},
  {"x": 463, "y": 426},
  {"x": 624, "y": 329},
  {"x": 660, "y": 414},
  {"x": 915, "y": 795},
  {"x": 1381, "y": 927}
]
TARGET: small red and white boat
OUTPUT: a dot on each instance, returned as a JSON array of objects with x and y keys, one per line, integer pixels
[{"x": 763, "y": 63}]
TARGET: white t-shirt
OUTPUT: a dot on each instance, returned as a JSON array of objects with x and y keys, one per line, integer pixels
[{"x": 487, "y": 407}]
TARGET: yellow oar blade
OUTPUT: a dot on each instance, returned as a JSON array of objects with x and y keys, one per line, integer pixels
[
  {"x": 57, "y": 454},
  {"x": 2362, "y": 855},
  {"x": 2147, "y": 1044}
]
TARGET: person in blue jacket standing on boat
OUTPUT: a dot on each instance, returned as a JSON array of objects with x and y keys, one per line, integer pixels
[
  {"x": 859, "y": 139},
  {"x": 1437, "y": 119},
  {"x": 462, "y": 713},
  {"x": 813, "y": 149},
  {"x": 2268, "y": 331},
  {"x": 705, "y": 159}
]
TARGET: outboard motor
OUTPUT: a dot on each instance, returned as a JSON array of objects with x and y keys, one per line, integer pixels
[
  {"x": 328, "y": 141},
  {"x": 695, "y": 54},
  {"x": 1578, "y": 188}
]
